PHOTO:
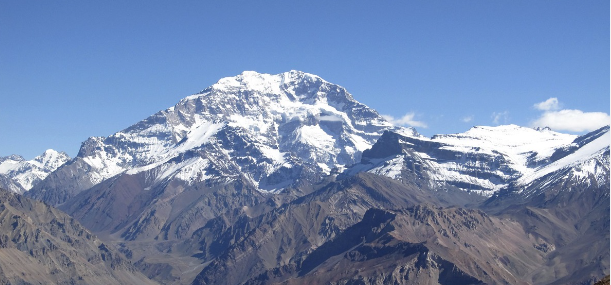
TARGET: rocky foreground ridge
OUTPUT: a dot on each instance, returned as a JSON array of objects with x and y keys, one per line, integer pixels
[{"x": 42, "y": 245}]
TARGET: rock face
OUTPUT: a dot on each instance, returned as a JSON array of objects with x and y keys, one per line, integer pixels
[
  {"x": 421, "y": 245},
  {"x": 41, "y": 245},
  {"x": 27, "y": 173}
]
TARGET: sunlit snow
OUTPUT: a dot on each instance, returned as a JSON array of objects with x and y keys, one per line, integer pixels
[
  {"x": 293, "y": 114},
  {"x": 28, "y": 172},
  {"x": 525, "y": 151}
]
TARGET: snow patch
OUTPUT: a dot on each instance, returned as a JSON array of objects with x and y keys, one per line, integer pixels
[
  {"x": 391, "y": 168},
  {"x": 314, "y": 135}
]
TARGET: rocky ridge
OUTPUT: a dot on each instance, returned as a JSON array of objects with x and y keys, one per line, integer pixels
[{"x": 42, "y": 245}]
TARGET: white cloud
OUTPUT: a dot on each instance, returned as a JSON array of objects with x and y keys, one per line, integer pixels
[
  {"x": 407, "y": 120},
  {"x": 500, "y": 118},
  {"x": 550, "y": 104},
  {"x": 467, "y": 119},
  {"x": 572, "y": 120}
]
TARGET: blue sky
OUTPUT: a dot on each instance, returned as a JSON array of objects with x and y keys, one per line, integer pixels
[{"x": 74, "y": 69}]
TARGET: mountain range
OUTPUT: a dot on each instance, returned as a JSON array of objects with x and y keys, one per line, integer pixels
[{"x": 288, "y": 179}]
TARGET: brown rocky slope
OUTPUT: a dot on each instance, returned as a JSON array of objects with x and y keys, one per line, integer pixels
[{"x": 42, "y": 245}]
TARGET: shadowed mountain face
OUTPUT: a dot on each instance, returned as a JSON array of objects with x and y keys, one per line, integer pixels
[
  {"x": 172, "y": 211},
  {"x": 339, "y": 235},
  {"x": 41, "y": 245},
  {"x": 416, "y": 245}
]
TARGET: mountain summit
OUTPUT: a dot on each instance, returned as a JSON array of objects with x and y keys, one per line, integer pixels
[{"x": 271, "y": 130}]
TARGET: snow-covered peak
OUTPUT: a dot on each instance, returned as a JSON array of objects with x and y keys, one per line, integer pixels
[
  {"x": 250, "y": 80},
  {"x": 26, "y": 173},
  {"x": 12, "y": 157},
  {"x": 292, "y": 86},
  {"x": 285, "y": 120},
  {"x": 262, "y": 82},
  {"x": 51, "y": 159},
  {"x": 506, "y": 136}
]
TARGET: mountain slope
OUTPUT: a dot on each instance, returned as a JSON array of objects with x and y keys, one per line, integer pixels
[
  {"x": 41, "y": 245},
  {"x": 566, "y": 203},
  {"x": 416, "y": 245},
  {"x": 285, "y": 235},
  {"x": 328, "y": 237}
]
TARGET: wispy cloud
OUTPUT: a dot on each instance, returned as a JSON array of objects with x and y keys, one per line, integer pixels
[
  {"x": 406, "y": 120},
  {"x": 467, "y": 119},
  {"x": 568, "y": 119},
  {"x": 551, "y": 104},
  {"x": 500, "y": 117}
]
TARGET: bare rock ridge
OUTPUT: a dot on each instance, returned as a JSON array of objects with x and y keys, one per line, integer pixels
[
  {"x": 350, "y": 233},
  {"x": 351, "y": 239}
]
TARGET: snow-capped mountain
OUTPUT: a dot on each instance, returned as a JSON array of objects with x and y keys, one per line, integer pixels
[
  {"x": 270, "y": 129},
  {"x": 585, "y": 160},
  {"x": 579, "y": 169},
  {"x": 26, "y": 173},
  {"x": 279, "y": 169},
  {"x": 485, "y": 159}
]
